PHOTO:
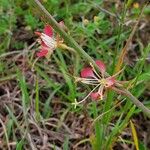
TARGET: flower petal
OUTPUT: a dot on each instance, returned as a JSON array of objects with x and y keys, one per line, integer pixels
[
  {"x": 48, "y": 30},
  {"x": 87, "y": 72},
  {"x": 42, "y": 53},
  {"x": 61, "y": 24},
  {"x": 37, "y": 33},
  {"x": 43, "y": 44},
  {"x": 95, "y": 95},
  {"x": 110, "y": 81},
  {"x": 101, "y": 66}
]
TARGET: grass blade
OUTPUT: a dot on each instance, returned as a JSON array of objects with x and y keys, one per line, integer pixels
[
  {"x": 124, "y": 50},
  {"x": 37, "y": 100},
  {"x": 134, "y": 134}
]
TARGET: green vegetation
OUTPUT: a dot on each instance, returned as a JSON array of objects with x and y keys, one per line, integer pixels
[{"x": 36, "y": 95}]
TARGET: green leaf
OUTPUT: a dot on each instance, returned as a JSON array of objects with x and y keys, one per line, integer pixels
[
  {"x": 134, "y": 134},
  {"x": 19, "y": 145},
  {"x": 66, "y": 144},
  {"x": 144, "y": 77}
]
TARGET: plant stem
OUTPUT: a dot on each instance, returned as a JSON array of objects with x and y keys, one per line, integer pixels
[
  {"x": 68, "y": 39},
  {"x": 136, "y": 102}
]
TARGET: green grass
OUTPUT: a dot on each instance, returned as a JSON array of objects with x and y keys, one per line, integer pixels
[{"x": 39, "y": 108}]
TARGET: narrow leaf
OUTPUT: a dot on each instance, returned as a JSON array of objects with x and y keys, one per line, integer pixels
[
  {"x": 124, "y": 50},
  {"x": 134, "y": 134}
]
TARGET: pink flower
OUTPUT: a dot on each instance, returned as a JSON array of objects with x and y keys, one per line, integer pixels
[
  {"x": 100, "y": 83},
  {"x": 48, "y": 41}
]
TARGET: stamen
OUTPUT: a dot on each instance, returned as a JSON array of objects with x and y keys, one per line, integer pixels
[
  {"x": 76, "y": 103},
  {"x": 88, "y": 79},
  {"x": 100, "y": 91},
  {"x": 50, "y": 42},
  {"x": 103, "y": 81},
  {"x": 90, "y": 83},
  {"x": 117, "y": 73},
  {"x": 95, "y": 70}
]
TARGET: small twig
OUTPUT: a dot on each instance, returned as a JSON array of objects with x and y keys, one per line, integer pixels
[
  {"x": 104, "y": 10},
  {"x": 6, "y": 78},
  {"x": 5, "y": 132},
  {"x": 17, "y": 51},
  {"x": 9, "y": 53},
  {"x": 32, "y": 67},
  {"x": 31, "y": 142},
  {"x": 81, "y": 142}
]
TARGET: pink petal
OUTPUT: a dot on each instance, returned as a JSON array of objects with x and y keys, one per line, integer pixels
[
  {"x": 87, "y": 72},
  {"x": 48, "y": 30},
  {"x": 61, "y": 24},
  {"x": 101, "y": 66},
  {"x": 43, "y": 45},
  {"x": 42, "y": 53},
  {"x": 110, "y": 81},
  {"x": 37, "y": 33},
  {"x": 95, "y": 95}
]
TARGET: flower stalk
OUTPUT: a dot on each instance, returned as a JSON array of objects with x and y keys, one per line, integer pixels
[{"x": 68, "y": 39}]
